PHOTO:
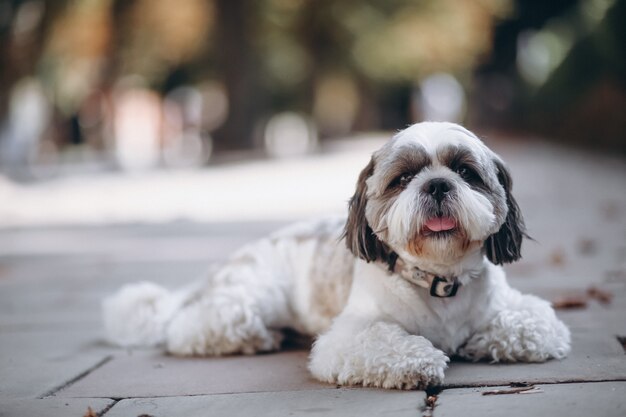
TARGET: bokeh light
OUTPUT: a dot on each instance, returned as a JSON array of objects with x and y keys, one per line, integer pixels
[{"x": 90, "y": 87}]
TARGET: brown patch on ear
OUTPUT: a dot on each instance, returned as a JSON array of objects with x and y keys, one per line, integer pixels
[
  {"x": 359, "y": 236},
  {"x": 505, "y": 246}
]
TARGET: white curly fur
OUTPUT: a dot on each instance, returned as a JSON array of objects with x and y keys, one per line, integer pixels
[
  {"x": 375, "y": 328},
  {"x": 378, "y": 354},
  {"x": 526, "y": 331},
  {"x": 138, "y": 314}
]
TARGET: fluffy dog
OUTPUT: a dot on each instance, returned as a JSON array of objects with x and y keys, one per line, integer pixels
[{"x": 410, "y": 278}]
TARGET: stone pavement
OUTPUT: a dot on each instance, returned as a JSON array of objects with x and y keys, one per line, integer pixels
[{"x": 54, "y": 361}]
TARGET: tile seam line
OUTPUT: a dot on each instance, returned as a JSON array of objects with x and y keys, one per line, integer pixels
[
  {"x": 108, "y": 407},
  {"x": 443, "y": 388},
  {"x": 77, "y": 378},
  {"x": 236, "y": 393},
  {"x": 566, "y": 382}
]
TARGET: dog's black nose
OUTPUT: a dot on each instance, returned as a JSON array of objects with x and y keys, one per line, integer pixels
[{"x": 438, "y": 188}]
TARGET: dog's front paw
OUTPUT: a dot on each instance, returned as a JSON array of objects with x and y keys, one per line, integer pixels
[
  {"x": 415, "y": 373},
  {"x": 522, "y": 336},
  {"x": 383, "y": 356},
  {"x": 410, "y": 371}
]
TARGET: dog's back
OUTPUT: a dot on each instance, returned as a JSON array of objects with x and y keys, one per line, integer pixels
[{"x": 298, "y": 277}]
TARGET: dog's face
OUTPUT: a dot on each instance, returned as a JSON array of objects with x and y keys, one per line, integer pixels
[{"x": 434, "y": 192}]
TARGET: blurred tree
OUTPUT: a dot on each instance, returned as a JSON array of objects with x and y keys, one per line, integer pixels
[
  {"x": 238, "y": 67},
  {"x": 24, "y": 27},
  {"x": 584, "y": 99},
  {"x": 499, "y": 92},
  {"x": 558, "y": 68},
  {"x": 72, "y": 58},
  {"x": 350, "y": 64},
  {"x": 384, "y": 47}
]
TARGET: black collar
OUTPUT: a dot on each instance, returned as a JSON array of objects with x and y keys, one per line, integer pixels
[{"x": 440, "y": 287}]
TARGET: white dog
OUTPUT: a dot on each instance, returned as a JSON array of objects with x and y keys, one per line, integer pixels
[{"x": 408, "y": 279}]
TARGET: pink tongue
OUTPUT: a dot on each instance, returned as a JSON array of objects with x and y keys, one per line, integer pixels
[{"x": 438, "y": 224}]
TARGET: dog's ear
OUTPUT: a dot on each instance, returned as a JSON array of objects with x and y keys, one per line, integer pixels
[
  {"x": 359, "y": 236},
  {"x": 505, "y": 246}
]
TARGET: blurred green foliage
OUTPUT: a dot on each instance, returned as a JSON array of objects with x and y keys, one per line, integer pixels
[
  {"x": 269, "y": 54},
  {"x": 348, "y": 65}
]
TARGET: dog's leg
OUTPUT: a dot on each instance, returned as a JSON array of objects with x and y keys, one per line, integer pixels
[
  {"x": 138, "y": 313},
  {"x": 218, "y": 324},
  {"x": 241, "y": 310},
  {"x": 379, "y": 354},
  {"x": 527, "y": 330}
]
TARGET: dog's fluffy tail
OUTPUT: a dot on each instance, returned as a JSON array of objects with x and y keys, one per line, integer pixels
[{"x": 137, "y": 315}]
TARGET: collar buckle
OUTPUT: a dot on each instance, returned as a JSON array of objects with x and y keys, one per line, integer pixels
[{"x": 441, "y": 288}]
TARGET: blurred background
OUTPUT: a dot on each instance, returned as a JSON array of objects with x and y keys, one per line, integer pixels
[
  {"x": 148, "y": 139},
  {"x": 174, "y": 108}
]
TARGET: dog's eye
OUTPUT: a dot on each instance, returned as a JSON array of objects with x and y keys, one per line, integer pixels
[
  {"x": 405, "y": 179},
  {"x": 402, "y": 180},
  {"x": 467, "y": 173}
]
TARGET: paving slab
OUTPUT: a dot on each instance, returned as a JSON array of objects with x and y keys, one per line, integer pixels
[
  {"x": 53, "y": 407},
  {"x": 43, "y": 297},
  {"x": 610, "y": 320},
  {"x": 57, "y": 277},
  {"x": 52, "y": 280},
  {"x": 119, "y": 245},
  {"x": 596, "y": 356},
  {"x": 600, "y": 399},
  {"x": 33, "y": 364},
  {"x": 336, "y": 402},
  {"x": 153, "y": 374}
]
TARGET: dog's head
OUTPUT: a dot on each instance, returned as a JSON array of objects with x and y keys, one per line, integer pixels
[{"x": 433, "y": 193}]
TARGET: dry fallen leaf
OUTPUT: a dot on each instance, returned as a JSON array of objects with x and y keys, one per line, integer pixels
[
  {"x": 574, "y": 301},
  {"x": 534, "y": 390},
  {"x": 597, "y": 294},
  {"x": 515, "y": 390},
  {"x": 90, "y": 413},
  {"x": 587, "y": 247},
  {"x": 429, "y": 406},
  {"x": 431, "y": 400},
  {"x": 557, "y": 258},
  {"x": 570, "y": 302}
]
